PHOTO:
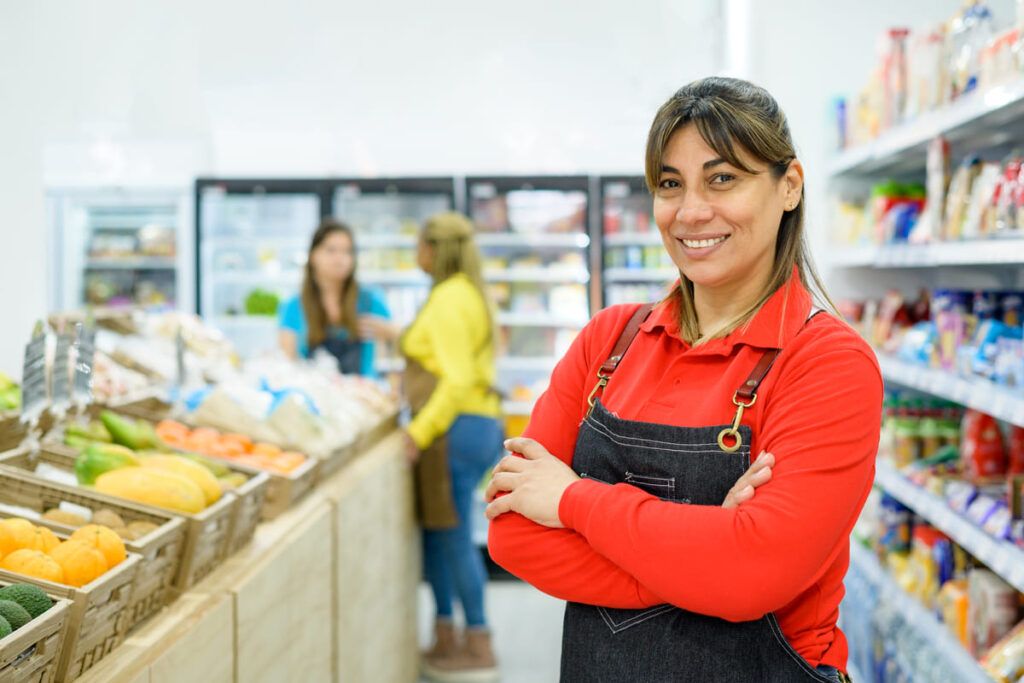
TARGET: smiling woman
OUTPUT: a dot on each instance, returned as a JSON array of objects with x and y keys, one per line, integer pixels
[{"x": 632, "y": 495}]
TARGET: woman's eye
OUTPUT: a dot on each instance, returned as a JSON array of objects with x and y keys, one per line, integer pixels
[
  {"x": 722, "y": 178},
  {"x": 669, "y": 184}
]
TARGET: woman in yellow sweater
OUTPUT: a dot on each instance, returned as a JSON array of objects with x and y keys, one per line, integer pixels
[{"x": 455, "y": 436}]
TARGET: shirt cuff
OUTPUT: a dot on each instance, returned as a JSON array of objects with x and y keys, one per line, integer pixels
[{"x": 577, "y": 502}]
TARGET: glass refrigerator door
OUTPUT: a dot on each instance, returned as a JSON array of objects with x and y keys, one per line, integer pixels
[
  {"x": 116, "y": 248},
  {"x": 252, "y": 250},
  {"x": 386, "y": 217},
  {"x": 534, "y": 239},
  {"x": 637, "y": 269}
]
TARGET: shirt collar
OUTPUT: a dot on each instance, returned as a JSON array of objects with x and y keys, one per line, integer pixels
[{"x": 778, "y": 321}]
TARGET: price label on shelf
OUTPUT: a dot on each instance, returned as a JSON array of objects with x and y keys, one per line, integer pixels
[{"x": 33, "y": 377}]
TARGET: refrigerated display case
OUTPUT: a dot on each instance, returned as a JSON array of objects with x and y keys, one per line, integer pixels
[
  {"x": 386, "y": 216},
  {"x": 119, "y": 247},
  {"x": 535, "y": 239},
  {"x": 252, "y": 238},
  {"x": 636, "y": 266}
]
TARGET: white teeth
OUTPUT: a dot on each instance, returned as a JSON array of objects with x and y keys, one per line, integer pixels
[{"x": 703, "y": 244}]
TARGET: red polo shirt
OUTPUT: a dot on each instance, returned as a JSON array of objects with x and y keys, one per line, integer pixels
[{"x": 787, "y": 550}]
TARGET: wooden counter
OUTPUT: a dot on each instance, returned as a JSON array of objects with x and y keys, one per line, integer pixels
[{"x": 326, "y": 592}]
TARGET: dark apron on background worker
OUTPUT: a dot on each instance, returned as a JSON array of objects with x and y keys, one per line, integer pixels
[
  {"x": 348, "y": 352},
  {"x": 684, "y": 465},
  {"x": 435, "y": 506}
]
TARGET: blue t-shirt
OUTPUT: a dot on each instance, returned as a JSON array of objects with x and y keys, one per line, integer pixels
[{"x": 291, "y": 317}]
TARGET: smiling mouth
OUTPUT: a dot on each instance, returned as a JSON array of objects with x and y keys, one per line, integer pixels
[{"x": 703, "y": 244}]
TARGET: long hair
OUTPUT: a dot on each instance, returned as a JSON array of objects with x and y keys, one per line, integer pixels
[
  {"x": 311, "y": 297},
  {"x": 731, "y": 114},
  {"x": 450, "y": 237}
]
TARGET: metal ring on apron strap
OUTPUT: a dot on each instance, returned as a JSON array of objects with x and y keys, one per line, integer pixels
[{"x": 734, "y": 431}]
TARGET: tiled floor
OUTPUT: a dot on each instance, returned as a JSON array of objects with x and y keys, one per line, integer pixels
[{"x": 527, "y": 629}]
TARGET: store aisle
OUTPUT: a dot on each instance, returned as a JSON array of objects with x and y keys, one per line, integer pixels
[{"x": 527, "y": 626}]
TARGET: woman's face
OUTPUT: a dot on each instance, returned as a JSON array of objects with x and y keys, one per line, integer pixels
[
  {"x": 333, "y": 260},
  {"x": 720, "y": 223}
]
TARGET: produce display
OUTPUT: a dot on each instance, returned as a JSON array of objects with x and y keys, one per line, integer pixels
[
  {"x": 36, "y": 551},
  {"x": 237, "y": 447},
  {"x": 20, "y": 603}
]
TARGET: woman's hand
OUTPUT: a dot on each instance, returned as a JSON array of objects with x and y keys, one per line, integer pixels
[
  {"x": 409, "y": 447},
  {"x": 757, "y": 474},
  {"x": 533, "y": 484},
  {"x": 376, "y": 327}
]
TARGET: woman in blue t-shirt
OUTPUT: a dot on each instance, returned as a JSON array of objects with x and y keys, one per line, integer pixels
[{"x": 333, "y": 312}]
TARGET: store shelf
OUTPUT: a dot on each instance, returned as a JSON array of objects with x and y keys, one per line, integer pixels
[
  {"x": 539, "y": 320},
  {"x": 575, "y": 240},
  {"x": 386, "y": 241},
  {"x": 968, "y": 253},
  {"x": 978, "y": 114},
  {"x": 554, "y": 275},
  {"x": 961, "y": 665},
  {"x": 1002, "y": 557},
  {"x": 286, "y": 278},
  {"x": 393, "y": 277},
  {"x": 642, "y": 239},
  {"x": 139, "y": 263},
  {"x": 665, "y": 275},
  {"x": 255, "y": 241},
  {"x": 518, "y": 408},
  {"x": 539, "y": 364},
  {"x": 976, "y": 392}
]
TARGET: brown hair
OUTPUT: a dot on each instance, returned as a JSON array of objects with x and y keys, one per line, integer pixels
[
  {"x": 731, "y": 114},
  {"x": 312, "y": 303}
]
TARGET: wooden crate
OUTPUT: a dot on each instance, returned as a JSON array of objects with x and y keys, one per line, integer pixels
[
  {"x": 32, "y": 653},
  {"x": 206, "y": 533},
  {"x": 98, "y": 618},
  {"x": 252, "y": 499},
  {"x": 282, "y": 490},
  {"x": 161, "y": 550}
]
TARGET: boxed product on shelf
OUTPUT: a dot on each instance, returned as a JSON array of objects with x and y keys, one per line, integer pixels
[
  {"x": 994, "y": 609},
  {"x": 1005, "y": 660}
]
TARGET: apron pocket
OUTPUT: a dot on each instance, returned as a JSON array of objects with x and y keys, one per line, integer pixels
[
  {"x": 809, "y": 670},
  {"x": 662, "y": 487},
  {"x": 619, "y": 620}
]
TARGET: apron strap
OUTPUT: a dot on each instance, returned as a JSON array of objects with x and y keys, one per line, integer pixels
[{"x": 629, "y": 332}]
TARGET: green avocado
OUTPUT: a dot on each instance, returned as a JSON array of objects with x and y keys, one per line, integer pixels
[
  {"x": 16, "y": 615},
  {"x": 32, "y": 598}
]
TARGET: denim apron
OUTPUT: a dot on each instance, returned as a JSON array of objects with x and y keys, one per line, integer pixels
[{"x": 686, "y": 466}]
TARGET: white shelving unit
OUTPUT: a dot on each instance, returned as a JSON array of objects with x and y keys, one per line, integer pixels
[
  {"x": 660, "y": 275},
  {"x": 961, "y": 665},
  {"x": 536, "y": 240},
  {"x": 141, "y": 263},
  {"x": 972, "y": 253},
  {"x": 393, "y": 277},
  {"x": 539, "y": 320},
  {"x": 970, "y": 117},
  {"x": 1002, "y": 557},
  {"x": 641, "y": 239},
  {"x": 977, "y": 393},
  {"x": 551, "y": 275}
]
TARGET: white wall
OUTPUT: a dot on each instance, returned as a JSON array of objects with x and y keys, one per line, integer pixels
[{"x": 119, "y": 92}]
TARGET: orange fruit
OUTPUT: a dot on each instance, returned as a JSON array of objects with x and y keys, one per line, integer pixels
[
  {"x": 265, "y": 449},
  {"x": 80, "y": 562},
  {"x": 103, "y": 539},
  {"x": 44, "y": 540},
  {"x": 172, "y": 427},
  {"x": 21, "y": 533},
  {"x": 34, "y": 563},
  {"x": 244, "y": 441},
  {"x": 174, "y": 440}
]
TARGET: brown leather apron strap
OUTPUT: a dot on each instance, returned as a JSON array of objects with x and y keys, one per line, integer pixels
[{"x": 626, "y": 338}]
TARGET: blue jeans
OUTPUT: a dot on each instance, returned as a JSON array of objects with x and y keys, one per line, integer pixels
[{"x": 453, "y": 564}]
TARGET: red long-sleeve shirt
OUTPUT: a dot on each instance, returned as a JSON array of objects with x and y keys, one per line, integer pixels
[{"x": 787, "y": 550}]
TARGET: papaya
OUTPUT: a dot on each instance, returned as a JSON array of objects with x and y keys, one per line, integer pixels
[
  {"x": 217, "y": 469},
  {"x": 79, "y": 443},
  {"x": 94, "y": 431},
  {"x": 152, "y": 486},
  {"x": 135, "y": 434},
  {"x": 100, "y": 458},
  {"x": 188, "y": 468}
]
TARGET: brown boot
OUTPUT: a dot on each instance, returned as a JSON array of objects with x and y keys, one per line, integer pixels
[
  {"x": 473, "y": 663},
  {"x": 446, "y": 642}
]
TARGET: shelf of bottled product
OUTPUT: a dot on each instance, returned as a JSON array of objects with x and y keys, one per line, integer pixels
[
  {"x": 540, "y": 320},
  {"x": 978, "y": 112},
  {"x": 996, "y": 251},
  {"x": 659, "y": 275},
  {"x": 1002, "y": 557},
  {"x": 132, "y": 263},
  {"x": 974, "y": 392},
  {"x": 636, "y": 239},
  {"x": 961, "y": 665}
]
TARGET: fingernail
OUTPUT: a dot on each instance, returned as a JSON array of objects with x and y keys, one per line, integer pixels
[{"x": 748, "y": 490}]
